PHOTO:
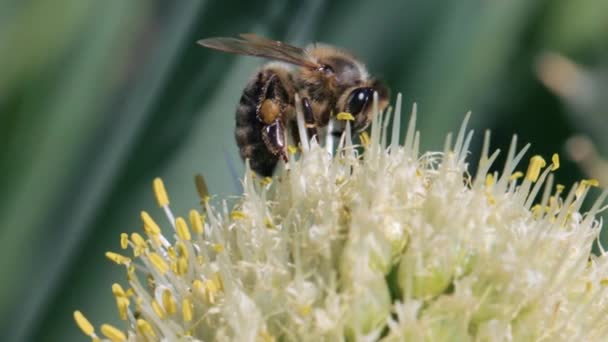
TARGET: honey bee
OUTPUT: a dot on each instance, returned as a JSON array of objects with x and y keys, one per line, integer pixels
[{"x": 327, "y": 80}]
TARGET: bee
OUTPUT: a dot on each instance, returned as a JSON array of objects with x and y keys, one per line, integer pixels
[{"x": 327, "y": 80}]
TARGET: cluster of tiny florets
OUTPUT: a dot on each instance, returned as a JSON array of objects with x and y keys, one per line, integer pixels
[{"x": 372, "y": 242}]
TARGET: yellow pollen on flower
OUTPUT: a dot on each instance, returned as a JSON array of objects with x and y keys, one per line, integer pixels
[
  {"x": 158, "y": 262},
  {"x": 516, "y": 175},
  {"x": 124, "y": 240},
  {"x": 238, "y": 215},
  {"x": 149, "y": 225},
  {"x": 560, "y": 188},
  {"x": 187, "y": 309},
  {"x": 588, "y": 286},
  {"x": 536, "y": 210},
  {"x": 169, "y": 303},
  {"x": 536, "y": 165},
  {"x": 140, "y": 244},
  {"x": 266, "y": 181},
  {"x": 305, "y": 310},
  {"x": 489, "y": 180},
  {"x": 158, "y": 310},
  {"x": 344, "y": 116},
  {"x": 182, "y": 229},
  {"x": 182, "y": 266},
  {"x": 218, "y": 247},
  {"x": 84, "y": 324},
  {"x": 211, "y": 290},
  {"x": 591, "y": 182},
  {"x": 554, "y": 162},
  {"x": 113, "y": 333},
  {"x": 201, "y": 188},
  {"x": 364, "y": 137},
  {"x": 292, "y": 150},
  {"x": 160, "y": 192},
  {"x": 604, "y": 281},
  {"x": 118, "y": 291},
  {"x": 217, "y": 278},
  {"x": 182, "y": 251},
  {"x": 145, "y": 329},
  {"x": 200, "y": 259},
  {"x": 196, "y": 222},
  {"x": 122, "y": 303},
  {"x": 268, "y": 223},
  {"x": 118, "y": 258}
]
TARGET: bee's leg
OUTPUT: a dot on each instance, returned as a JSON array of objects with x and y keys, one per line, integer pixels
[
  {"x": 274, "y": 139},
  {"x": 309, "y": 119}
]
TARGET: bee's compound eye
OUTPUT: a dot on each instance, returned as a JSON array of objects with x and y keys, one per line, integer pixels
[
  {"x": 326, "y": 69},
  {"x": 358, "y": 99}
]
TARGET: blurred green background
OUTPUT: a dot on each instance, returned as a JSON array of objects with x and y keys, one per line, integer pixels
[{"x": 99, "y": 97}]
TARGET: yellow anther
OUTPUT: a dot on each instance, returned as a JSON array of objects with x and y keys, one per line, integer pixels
[
  {"x": 364, "y": 137},
  {"x": 344, "y": 116},
  {"x": 489, "y": 180},
  {"x": 266, "y": 181},
  {"x": 211, "y": 290},
  {"x": 140, "y": 244},
  {"x": 158, "y": 262},
  {"x": 171, "y": 253},
  {"x": 113, "y": 333},
  {"x": 122, "y": 303},
  {"x": 117, "y": 290},
  {"x": 536, "y": 164},
  {"x": 418, "y": 173},
  {"x": 268, "y": 223},
  {"x": 182, "y": 266},
  {"x": 560, "y": 188},
  {"x": 218, "y": 247},
  {"x": 145, "y": 329},
  {"x": 84, "y": 324},
  {"x": 149, "y": 225},
  {"x": 305, "y": 310},
  {"x": 130, "y": 272},
  {"x": 158, "y": 310},
  {"x": 200, "y": 259},
  {"x": 124, "y": 240},
  {"x": 554, "y": 162},
  {"x": 516, "y": 175},
  {"x": 591, "y": 182},
  {"x": 201, "y": 188},
  {"x": 604, "y": 282},
  {"x": 181, "y": 249},
  {"x": 588, "y": 286},
  {"x": 291, "y": 149},
  {"x": 129, "y": 292},
  {"x": 160, "y": 192},
  {"x": 168, "y": 302},
  {"x": 117, "y": 258},
  {"x": 238, "y": 215},
  {"x": 537, "y": 210},
  {"x": 182, "y": 229},
  {"x": 196, "y": 222},
  {"x": 187, "y": 309},
  {"x": 217, "y": 278}
]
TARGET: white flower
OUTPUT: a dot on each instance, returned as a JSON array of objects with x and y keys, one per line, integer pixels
[{"x": 388, "y": 244}]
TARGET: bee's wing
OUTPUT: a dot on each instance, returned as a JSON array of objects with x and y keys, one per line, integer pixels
[{"x": 253, "y": 45}]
